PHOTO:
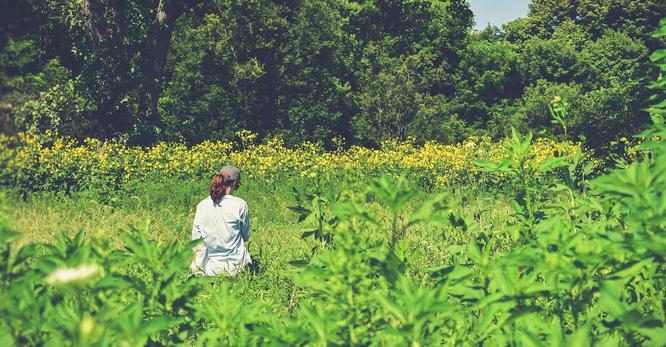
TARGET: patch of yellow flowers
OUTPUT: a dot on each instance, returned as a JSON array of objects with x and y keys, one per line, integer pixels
[{"x": 53, "y": 162}]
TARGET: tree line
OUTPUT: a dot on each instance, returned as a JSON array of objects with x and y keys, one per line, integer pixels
[{"x": 324, "y": 70}]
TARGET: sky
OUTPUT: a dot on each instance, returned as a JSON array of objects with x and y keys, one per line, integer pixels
[{"x": 497, "y": 12}]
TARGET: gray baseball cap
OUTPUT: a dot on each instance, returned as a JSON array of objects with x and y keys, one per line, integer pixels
[{"x": 232, "y": 171}]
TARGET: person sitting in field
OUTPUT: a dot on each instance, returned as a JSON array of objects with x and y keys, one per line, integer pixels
[{"x": 222, "y": 221}]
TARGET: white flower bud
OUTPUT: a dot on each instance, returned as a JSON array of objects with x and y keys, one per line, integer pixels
[{"x": 77, "y": 274}]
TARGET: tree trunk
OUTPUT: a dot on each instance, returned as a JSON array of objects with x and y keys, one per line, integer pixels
[
  {"x": 156, "y": 54},
  {"x": 166, "y": 14},
  {"x": 104, "y": 21}
]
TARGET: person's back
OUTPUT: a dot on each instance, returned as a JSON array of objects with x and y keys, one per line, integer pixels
[{"x": 222, "y": 221}]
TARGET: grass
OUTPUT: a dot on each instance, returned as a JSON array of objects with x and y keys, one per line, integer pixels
[
  {"x": 529, "y": 249},
  {"x": 167, "y": 208}
]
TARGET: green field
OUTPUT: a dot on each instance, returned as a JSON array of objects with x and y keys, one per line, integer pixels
[
  {"x": 411, "y": 181},
  {"x": 165, "y": 210},
  {"x": 551, "y": 258}
]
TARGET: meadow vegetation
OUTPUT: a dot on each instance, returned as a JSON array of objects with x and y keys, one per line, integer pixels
[
  {"x": 546, "y": 258},
  {"x": 533, "y": 240},
  {"x": 58, "y": 163}
]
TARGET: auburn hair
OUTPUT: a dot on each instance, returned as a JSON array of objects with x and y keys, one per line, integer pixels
[{"x": 218, "y": 186}]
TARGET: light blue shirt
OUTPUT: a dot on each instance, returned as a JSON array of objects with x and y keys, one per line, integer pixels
[{"x": 224, "y": 229}]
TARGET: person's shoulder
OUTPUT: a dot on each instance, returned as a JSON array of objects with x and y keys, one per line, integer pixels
[
  {"x": 238, "y": 200},
  {"x": 208, "y": 201}
]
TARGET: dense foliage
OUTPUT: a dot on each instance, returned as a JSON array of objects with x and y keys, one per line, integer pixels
[
  {"x": 559, "y": 267},
  {"x": 34, "y": 163},
  {"x": 364, "y": 71},
  {"x": 415, "y": 243}
]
